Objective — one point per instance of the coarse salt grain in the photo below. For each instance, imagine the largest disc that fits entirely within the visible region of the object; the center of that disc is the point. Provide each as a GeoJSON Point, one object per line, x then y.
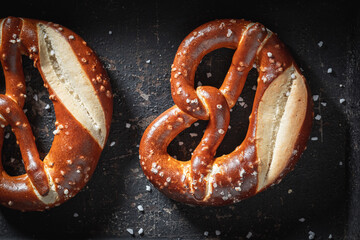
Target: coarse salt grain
{"type": "Point", "coordinates": [249, 235]}
{"type": "Point", "coordinates": [217, 232]}
{"type": "Point", "coordinates": [301, 219]}
{"type": "Point", "coordinates": [311, 235]}
{"type": "Point", "coordinates": [148, 61]}
{"type": "Point", "coordinates": [206, 233]}
{"type": "Point", "coordinates": [130, 230]}
{"type": "Point", "coordinates": [140, 208]}
{"type": "Point", "coordinates": [148, 188]}
{"type": "Point", "coordinates": [329, 70]}
{"type": "Point", "coordinates": [314, 138]}
{"type": "Point", "coordinates": [208, 75]}
{"type": "Point", "coordinates": [141, 231]}
{"type": "Point", "coordinates": [112, 144]}
{"type": "Point", "coordinates": [317, 117]}
{"type": "Point", "coordinates": [316, 97]}
{"type": "Point", "coordinates": [342, 100]}
{"type": "Point", "coordinates": [229, 33]}
{"type": "Point", "coordinates": [127, 125]}
{"type": "Point", "coordinates": [320, 44]}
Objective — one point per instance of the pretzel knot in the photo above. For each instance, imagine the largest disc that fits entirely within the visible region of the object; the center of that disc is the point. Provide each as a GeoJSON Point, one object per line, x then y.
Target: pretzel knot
{"type": "Point", "coordinates": [279, 125]}
{"type": "Point", "coordinates": [81, 95]}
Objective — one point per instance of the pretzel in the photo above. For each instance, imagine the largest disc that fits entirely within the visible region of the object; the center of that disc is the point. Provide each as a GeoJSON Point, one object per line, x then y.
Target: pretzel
{"type": "Point", "coordinates": [80, 91]}
{"type": "Point", "coordinates": [279, 125]}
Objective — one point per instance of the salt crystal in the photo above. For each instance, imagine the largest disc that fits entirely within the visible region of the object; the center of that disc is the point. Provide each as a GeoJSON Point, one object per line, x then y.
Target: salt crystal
{"type": "Point", "coordinates": [329, 70]}
{"type": "Point", "coordinates": [249, 235]}
{"type": "Point", "coordinates": [342, 100]}
{"type": "Point", "coordinates": [316, 97]}
{"type": "Point", "coordinates": [112, 144]}
{"type": "Point", "coordinates": [314, 138]}
{"type": "Point", "coordinates": [130, 230]}
{"type": "Point", "coordinates": [311, 235]}
{"type": "Point", "coordinates": [127, 125]}
{"type": "Point", "coordinates": [208, 75]}
{"type": "Point", "coordinates": [320, 44]}
{"type": "Point", "coordinates": [7, 136]}
{"type": "Point", "coordinates": [141, 231]}
{"type": "Point", "coordinates": [301, 219]}
{"type": "Point", "coordinates": [140, 208]}
{"type": "Point", "coordinates": [217, 232]}
{"type": "Point", "coordinates": [148, 61]}
{"type": "Point", "coordinates": [229, 33]}
{"type": "Point", "coordinates": [317, 117]}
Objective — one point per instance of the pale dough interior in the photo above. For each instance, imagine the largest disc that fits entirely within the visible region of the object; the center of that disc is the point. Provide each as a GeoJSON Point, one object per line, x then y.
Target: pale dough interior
{"type": "Point", "coordinates": [281, 114]}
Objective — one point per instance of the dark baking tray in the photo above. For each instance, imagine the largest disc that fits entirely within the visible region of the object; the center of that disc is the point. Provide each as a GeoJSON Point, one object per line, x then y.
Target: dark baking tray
{"type": "Point", "coordinates": [321, 195]}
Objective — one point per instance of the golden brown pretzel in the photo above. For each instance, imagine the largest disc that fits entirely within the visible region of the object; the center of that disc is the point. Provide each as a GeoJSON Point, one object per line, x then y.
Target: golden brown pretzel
{"type": "Point", "coordinates": [81, 94]}
{"type": "Point", "coordinates": [279, 126]}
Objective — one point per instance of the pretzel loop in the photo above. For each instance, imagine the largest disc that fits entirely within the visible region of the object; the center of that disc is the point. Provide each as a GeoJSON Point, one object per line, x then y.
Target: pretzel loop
{"type": "Point", "coordinates": [34, 167]}
{"type": "Point", "coordinates": [279, 125]}
{"type": "Point", "coordinates": [245, 38]}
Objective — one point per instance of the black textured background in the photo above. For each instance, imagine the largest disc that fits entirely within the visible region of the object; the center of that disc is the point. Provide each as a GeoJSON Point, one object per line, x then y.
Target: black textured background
{"type": "Point", "coordinates": [324, 188]}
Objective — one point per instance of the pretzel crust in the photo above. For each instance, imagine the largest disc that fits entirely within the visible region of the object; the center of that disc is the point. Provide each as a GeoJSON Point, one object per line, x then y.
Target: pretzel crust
{"type": "Point", "coordinates": [279, 125]}
{"type": "Point", "coordinates": [80, 91]}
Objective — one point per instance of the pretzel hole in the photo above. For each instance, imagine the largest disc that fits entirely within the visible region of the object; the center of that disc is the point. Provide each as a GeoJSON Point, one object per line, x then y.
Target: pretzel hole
{"type": "Point", "coordinates": [217, 63]}
{"type": "Point", "coordinates": [39, 110]}
{"type": "Point", "coordinates": [239, 118]}
{"type": "Point", "coordinates": [2, 81]}
{"type": "Point", "coordinates": [183, 145]}
{"type": "Point", "coordinates": [213, 68]}
{"type": "Point", "coordinates": [10, 154]}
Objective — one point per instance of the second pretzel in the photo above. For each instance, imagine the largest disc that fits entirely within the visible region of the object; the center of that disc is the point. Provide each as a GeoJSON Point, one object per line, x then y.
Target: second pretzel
{"type": "Point", "coordinates": [279, 126]}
